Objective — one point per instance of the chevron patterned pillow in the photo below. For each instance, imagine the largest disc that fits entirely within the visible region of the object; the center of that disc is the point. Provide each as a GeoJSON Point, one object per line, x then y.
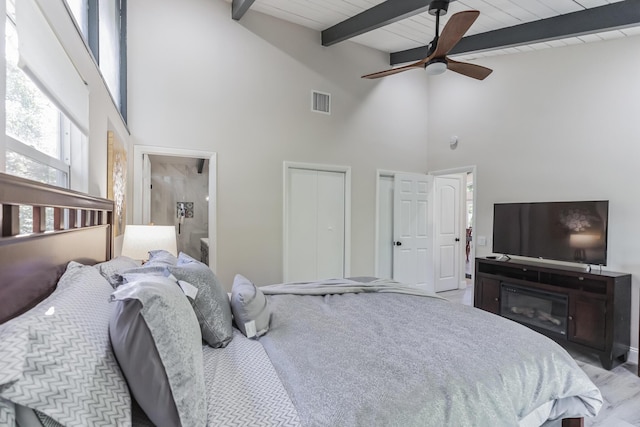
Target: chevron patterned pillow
{"type": "Point", "coordinates": [7, 413]}
{"type": "Point", "coordinates": [66, 369]}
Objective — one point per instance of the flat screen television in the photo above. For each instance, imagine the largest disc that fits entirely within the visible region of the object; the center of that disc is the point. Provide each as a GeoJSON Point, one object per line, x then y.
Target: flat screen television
{"type": "Point", "coordinates": [563, 231]}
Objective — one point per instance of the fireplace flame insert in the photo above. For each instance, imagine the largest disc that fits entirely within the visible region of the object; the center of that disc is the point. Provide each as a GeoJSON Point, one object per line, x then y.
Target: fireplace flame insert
{"type": "Point", "coordinates": [536, 308]}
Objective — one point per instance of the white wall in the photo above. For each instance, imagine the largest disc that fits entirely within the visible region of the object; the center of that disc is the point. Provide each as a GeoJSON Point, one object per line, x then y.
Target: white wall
{"type": "Point", "coordinates": [556, 124]}
{"type": "Point", "coordinates": [199, 80]}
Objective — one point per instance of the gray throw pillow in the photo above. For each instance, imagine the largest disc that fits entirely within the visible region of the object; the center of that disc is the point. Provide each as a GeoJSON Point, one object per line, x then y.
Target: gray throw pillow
{"type": "Point", "coordinates": [161, 257]}
{"type": "Point", "coordinates": [112, 270]}
{"type": "Point", "coordinates": [57, 359]}
{"type": "Point", "coordinates": [185, 259]}
{"type": "Point", "coordinates": [249, 304]}
{"type": "Point", "coordinates": [211, 302]}
{"type": "Point", "coordinates": [158, 344]}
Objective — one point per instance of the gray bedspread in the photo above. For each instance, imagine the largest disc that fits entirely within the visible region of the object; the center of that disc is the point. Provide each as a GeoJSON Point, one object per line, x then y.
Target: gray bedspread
{"type": "Point", "coordinates": [393, 359]}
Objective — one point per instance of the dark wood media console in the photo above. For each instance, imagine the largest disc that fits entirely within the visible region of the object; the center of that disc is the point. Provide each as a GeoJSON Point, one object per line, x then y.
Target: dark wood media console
{"type": "Point", "coordinates": [593, 313]}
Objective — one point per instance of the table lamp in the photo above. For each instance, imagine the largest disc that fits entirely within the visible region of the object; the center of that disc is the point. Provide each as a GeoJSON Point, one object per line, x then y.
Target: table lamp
{"type": "Point", "coordinates": [140, 239]}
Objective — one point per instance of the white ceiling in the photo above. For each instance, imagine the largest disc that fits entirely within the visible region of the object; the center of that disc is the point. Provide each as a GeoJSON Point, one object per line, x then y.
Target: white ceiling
{"type": "Point", "coordinates": [418, 30]}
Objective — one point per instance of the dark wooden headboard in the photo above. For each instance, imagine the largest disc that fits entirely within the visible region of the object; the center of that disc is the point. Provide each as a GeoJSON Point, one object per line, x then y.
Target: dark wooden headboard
{"type": "Point", "coordinates": [67, 226]}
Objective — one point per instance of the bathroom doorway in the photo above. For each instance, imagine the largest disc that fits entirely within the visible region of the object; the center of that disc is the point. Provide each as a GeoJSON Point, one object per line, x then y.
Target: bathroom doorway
{"type": "Point", "coordinates": [177, 187]}
{"type": "Point", "coordinates": [179, 190]}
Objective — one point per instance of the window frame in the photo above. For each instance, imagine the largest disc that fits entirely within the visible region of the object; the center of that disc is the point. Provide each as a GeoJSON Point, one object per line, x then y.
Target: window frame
{"type": "Point", "coordinates": [92, 43]}
{"type": "Point", "coordinates": [65, 139]}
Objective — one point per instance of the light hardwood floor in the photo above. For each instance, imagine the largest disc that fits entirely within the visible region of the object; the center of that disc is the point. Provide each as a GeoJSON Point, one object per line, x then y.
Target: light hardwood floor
{"type": "Point", "coordinates": [620, 387]}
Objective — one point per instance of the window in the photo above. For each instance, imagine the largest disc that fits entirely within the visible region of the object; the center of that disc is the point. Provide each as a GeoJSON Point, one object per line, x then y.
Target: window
{"type": "Point", "coordinates": [109, 35]}
{"type": "Point", "coordinates": [80, 11]}
{"type": "Point", "coordinates": [103, 27]}
{"type": "Point", "coordinates": [41, 141]}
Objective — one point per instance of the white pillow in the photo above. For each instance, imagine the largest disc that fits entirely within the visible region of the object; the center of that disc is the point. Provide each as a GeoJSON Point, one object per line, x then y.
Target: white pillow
{"type": "Point", "coordinates": [250, 307]}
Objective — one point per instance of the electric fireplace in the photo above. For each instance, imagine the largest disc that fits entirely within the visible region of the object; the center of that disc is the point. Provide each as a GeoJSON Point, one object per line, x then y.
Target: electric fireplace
{"type": "Point", "coordinates": [535, 308]}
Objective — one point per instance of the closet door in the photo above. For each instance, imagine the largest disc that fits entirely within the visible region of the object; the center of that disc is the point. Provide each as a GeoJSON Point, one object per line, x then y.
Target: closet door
{"type": "Point", "coordinates": [330, 225]}
{"type": "Point", "coordinates": [314, 224]}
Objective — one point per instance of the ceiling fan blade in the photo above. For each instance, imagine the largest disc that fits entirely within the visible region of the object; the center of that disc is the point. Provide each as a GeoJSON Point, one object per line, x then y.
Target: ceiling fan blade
{"type": "Point", "coordinates": [455, 29]}
{"type": "Point", "coordinates": [392, 71]}
{"type": "Point", "coordinates": [470, 70]}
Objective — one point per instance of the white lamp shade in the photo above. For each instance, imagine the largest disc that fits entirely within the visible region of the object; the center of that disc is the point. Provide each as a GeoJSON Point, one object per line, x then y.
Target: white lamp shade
{"type": "Point", "coordinates": [140, 239]}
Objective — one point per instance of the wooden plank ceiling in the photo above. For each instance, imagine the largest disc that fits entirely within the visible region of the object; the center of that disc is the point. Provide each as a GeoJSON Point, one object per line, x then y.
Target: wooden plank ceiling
{"type": "Point", "coordinates": [418, 30]}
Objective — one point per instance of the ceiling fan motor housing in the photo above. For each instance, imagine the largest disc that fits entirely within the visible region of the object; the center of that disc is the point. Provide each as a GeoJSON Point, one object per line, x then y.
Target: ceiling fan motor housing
{"type": "Point", "coordinates": [438, 7]}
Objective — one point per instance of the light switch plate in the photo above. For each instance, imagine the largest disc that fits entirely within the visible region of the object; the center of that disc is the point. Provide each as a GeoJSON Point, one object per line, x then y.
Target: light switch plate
{"type": "Point", "coordinates": [482, 241]}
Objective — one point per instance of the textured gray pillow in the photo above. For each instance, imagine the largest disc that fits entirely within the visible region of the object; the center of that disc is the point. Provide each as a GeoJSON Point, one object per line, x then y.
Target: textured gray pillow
{"type": "Point", "coordinates": [185, 259]}
{"type": "Point", "coordinates": [161, 257]}
{"type": "Point", "coordinates": [211, 303]}
{"type": "Point", "coordinates": [112, 270]}
{"type": "Point", "coordinates": [249, 304]}
{"type": "Point", "coordinates": [60, 349]}
{"type": "Point", "coordinates": [156, 338]}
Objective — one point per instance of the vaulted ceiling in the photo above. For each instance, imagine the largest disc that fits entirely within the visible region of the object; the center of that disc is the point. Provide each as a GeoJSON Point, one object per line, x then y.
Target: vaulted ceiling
{"type": "Point", "coordinates": [403, 28]}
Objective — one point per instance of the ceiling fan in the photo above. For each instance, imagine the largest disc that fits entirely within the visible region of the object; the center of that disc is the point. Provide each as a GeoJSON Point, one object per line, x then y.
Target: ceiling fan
{"type": "Point", "coordinates": [437, 61]}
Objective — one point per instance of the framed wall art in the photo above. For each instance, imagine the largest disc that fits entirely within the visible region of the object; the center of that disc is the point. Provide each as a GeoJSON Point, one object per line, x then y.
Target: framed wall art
{"type": "Point", "coordinates": [117, 181]}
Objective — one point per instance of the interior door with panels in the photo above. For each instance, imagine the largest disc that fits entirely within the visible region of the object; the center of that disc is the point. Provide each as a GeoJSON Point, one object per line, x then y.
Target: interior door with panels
{"type": "Point", "coordinates": [412, 229]}
{"type": "Point", "coordinates": [448, 233]}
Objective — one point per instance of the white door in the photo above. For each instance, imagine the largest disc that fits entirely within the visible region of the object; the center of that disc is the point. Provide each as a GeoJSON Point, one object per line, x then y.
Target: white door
{"type": "Point", "coordinates": [146, 189]}
{"type": "Point", "coordinates": [412, 236]}
{"type": "Point", "coordinates": [314, 224]}
{"type": "Point", "coordinates": [448, 232]}
{"type": "Point", "coordinates": [385, 241]}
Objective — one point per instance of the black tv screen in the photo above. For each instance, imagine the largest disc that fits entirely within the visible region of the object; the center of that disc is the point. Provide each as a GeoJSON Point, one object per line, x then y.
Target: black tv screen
{"type": "Point", "coordinates": [563, 231]}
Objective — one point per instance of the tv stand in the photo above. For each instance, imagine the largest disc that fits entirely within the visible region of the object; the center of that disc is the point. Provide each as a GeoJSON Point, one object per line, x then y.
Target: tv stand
{"type": "Point", "coordinates": [588, 311]}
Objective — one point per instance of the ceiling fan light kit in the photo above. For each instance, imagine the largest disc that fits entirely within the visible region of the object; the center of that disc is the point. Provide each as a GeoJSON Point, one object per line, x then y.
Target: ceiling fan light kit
{"type": "Point", "coordinates": [436, 66]}
{"type": "Point", "coordinates": [437, 61]}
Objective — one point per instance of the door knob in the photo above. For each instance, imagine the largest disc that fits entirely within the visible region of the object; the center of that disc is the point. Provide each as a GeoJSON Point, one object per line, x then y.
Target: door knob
{"type": "Point", "coordinates": [457, 239]}
{"type": "Point", "coordinates": [398, 243]}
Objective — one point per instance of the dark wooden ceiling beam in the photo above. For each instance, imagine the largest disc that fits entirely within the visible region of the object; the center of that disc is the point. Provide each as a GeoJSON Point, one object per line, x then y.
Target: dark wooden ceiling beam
{"type": "Point", "coordinates": [598, 19]}
{"type": "Point", "coordinates": [239, 8]}
{"type": "Point", "coordinates": [378, 16]}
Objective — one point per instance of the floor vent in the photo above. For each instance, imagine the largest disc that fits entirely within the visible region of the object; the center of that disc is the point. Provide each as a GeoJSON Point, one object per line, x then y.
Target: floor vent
{"type": "Point", "coordinates": [320, 102]}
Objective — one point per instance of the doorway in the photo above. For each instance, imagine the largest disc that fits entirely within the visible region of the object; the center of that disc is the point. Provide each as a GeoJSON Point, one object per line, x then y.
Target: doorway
{"type": "Point", "coordinates": [145, 210]}
{"type": "Point", "coordinates": [450, 261]}
{"type": "Point", "coordinates": [469, 259]}
{"type": "Point", "coordinates": [404, 244]}
{"type": "Point", "coordinates": [317, 200]}
{"type": "Point", "coordinates": [179, 196]}
{"type": "Point", "coordinates": [467, 222]}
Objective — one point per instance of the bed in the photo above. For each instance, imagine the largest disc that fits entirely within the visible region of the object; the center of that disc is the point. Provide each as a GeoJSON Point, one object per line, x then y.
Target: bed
{"type": "Point", "coordinates": [349, 352]}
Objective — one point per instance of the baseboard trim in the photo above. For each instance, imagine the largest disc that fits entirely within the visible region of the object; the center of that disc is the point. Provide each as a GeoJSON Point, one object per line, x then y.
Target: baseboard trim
{"type": "Point", "coordinates": [633, 355]}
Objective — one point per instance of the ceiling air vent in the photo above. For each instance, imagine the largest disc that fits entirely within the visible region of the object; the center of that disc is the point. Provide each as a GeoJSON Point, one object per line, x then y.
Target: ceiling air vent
{"type": "Point", "coordinates": [320, 102]}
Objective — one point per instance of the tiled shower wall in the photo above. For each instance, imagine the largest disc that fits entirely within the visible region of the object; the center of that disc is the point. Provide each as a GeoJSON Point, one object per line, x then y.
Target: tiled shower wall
{"type": "Point", "coordinates": [174, 182]}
